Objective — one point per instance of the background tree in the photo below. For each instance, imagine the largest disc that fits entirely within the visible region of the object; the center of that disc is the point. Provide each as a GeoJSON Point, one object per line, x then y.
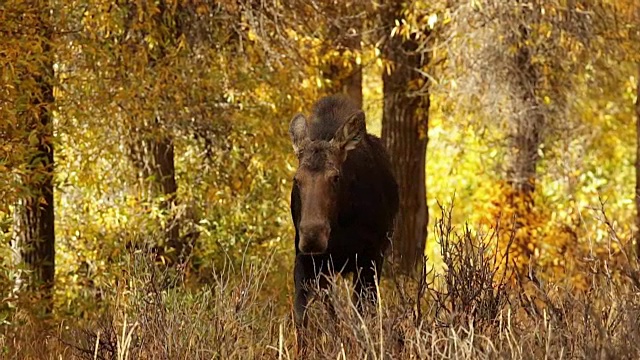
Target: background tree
{"type": "Point", "coordinates": [404, 130]}
{"type": "Point", "coordinates": [528, 124]}
{"type": "Point", "coordinates": [143, 46]}
{"type": "Point", "coordinates": [637, 198]}
{"type": "Point", "coordinates": [152, 148]}
{"type": "Point", "coordinates": [516, 72]}
{"type": "Point", "coordinates": [27, 111]}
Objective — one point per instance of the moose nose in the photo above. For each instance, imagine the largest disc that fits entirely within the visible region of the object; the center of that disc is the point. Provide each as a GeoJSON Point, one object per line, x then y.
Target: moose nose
{"type": "Point", "coordinates": [314, 238]}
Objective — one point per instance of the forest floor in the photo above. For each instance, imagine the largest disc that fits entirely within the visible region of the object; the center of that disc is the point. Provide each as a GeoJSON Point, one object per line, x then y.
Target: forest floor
{"type": "Point", "coordinates": [472, 310]}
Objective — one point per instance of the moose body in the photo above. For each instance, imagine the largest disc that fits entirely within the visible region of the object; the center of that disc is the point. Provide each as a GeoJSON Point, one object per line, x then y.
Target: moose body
{"type": "Point", "coordinates": [343, 201]}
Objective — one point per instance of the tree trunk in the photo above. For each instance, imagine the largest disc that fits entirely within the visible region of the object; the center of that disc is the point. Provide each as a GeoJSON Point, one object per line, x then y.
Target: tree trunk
{"type": "Point", "coordinates": [345, 78]}
{"type": "Point", "coordinates": [152, 148]}
{"type": "Point", "coordinates": [638, 164]}
{"type": "Point", "coordinates": [34, 236]}
{"type": "Point", "coordinates": [161, 168]}
{"type": "Point", "coordinates": [152, 151]}
{"type": "Point", "coordinates": [404, 133]}
{"type": "Point", "coordinates": [527, 123]}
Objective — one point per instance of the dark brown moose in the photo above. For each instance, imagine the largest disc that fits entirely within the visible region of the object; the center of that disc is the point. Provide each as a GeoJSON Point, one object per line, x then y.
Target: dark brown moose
{"type": "Point", "coordinates": [343, 201]}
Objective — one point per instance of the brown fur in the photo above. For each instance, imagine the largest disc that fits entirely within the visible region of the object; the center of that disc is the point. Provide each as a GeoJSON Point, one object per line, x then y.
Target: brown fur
{"type": "Point", "coordinates": [343, 201]}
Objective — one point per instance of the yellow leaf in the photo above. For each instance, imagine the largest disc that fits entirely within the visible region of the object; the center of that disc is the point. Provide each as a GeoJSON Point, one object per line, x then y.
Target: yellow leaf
{"type": "Point", "coordinates": [252, 35]}
{"type": "Point", "coordinates": [433, 19]}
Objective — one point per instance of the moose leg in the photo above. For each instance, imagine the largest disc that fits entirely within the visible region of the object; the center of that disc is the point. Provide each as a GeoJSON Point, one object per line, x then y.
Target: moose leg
{"type": "Point", "coordinates": [301, 298]}
{"type": "Point", "coordinates": [324, 283]}
{"type": "Point", "coordinates": [366, 279]}
{"type": "Point", "coordinates": [312, 275]}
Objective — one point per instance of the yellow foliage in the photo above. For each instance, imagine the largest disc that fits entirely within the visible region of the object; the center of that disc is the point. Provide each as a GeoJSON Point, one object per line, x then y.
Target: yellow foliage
{"type": "Point", "coordinates": [226, 100]}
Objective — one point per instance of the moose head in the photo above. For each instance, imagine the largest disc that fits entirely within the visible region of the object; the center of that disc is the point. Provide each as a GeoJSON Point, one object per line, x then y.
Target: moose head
{"type": "Point", "coordinates": [320, 177]}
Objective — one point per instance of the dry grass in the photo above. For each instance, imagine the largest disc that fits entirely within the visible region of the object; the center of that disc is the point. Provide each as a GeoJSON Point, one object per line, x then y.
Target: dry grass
{"type": "Point", "coordinates": [471, 311]}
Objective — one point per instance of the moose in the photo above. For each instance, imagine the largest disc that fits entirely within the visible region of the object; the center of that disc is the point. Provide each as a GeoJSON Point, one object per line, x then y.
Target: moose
{"type": "Point", "coordinates": [344, 200]}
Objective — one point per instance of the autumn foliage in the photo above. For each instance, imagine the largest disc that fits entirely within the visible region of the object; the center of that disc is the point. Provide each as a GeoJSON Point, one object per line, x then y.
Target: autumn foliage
{"type": "Point", "coordinates": [161, 129]}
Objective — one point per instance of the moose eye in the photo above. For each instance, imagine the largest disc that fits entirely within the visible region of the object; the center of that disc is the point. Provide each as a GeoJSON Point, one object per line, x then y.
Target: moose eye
{"type": "Point", "coordinates": [335, 179]}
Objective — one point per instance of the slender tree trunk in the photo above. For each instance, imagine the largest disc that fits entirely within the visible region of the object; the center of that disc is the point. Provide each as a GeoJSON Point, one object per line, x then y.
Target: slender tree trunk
{"type": "Point", "coordinates": [527, 123]}
{"type": "Point", "coordinates": [638, 164]}
{"type": "Point", "coordinates": [404, 133]}
{"type": "Point", "coordinates": [346, 79]}
{"type": "Point", "coordinates": [34, 236]}
{"type": "Point", "coordinates": [152, 149]}
{"type": "Point", "coordinates": [161, 159]}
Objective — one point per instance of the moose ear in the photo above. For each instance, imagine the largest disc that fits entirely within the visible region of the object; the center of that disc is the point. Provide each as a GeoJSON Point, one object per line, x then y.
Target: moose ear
{"type": "Point", "coordinates": [298, 131]}
{"type": "Point", "coordinates": [351, 132]}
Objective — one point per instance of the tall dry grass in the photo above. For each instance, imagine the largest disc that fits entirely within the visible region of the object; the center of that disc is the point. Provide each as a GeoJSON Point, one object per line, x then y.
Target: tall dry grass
{"type": "Point", "coordinates": [473, 310]}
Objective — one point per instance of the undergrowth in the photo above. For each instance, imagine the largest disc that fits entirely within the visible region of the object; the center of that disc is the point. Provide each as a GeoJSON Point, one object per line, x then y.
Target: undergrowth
{"type": "Point", "coordinates": [474, 309]}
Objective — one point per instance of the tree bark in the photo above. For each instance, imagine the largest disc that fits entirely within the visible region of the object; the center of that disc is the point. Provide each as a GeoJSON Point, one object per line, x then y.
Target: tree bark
{"type": "Point", "coordinates": [638, 163]}
{"type": "Point", "coordinates": [34, 235]}
{"type": "Point", "coordinates": [152, 149]}
{"type": "Point", "coordinates": [160, 173]}
{"type": "Point", "coordinates": [404, 133]}
{"type": "Point", "coordinates": [527, 123]}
